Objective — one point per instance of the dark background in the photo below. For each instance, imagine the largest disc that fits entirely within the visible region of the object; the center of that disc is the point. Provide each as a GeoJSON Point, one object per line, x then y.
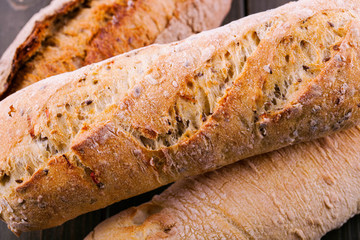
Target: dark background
{"type": "Point", "coordinates": [11, 22]}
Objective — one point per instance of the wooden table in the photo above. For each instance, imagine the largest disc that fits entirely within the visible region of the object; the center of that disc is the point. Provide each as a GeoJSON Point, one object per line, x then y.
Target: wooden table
{"type": "Point", "coordinates": [12, 21]}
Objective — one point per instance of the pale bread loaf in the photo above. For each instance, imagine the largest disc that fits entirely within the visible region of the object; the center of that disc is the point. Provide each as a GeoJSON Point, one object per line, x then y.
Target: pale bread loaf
{"type": "Point", "coordinates": [299, 192]}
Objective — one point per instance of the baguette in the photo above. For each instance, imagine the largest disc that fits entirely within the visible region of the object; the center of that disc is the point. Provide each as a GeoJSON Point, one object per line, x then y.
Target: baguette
{"type": "Point", "coordinates": [140, 120]}
{"type": "Point", "coordinates": [69, 30]}
{"type": "Point", "coordinates": [299, 192]}
{"type": "Point", "coordinates": [69, 34]}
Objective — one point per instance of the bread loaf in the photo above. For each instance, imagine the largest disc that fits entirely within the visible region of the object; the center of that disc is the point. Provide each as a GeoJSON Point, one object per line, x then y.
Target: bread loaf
{"type": "Point", "coordinates": [80, 141]}
{"type": "Point", "coordinates": [95, 25]}
{"type": "Point", "coordinates": [299, 192]}
{"type": "Point", "coordinates": [69, 34]}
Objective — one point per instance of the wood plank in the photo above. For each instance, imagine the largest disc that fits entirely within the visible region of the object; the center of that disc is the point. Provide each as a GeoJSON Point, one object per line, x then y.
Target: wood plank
{"type": "Point", "coordinates": [262, 5]}
{"type": "Point", "coordinates": [237, 11]}
{"type": "Point", "coordinates": [12, 20]}
{"type": "Point", "coordinates": [349, 231]}
{"type": "Point", "coordinates": [5, 234]}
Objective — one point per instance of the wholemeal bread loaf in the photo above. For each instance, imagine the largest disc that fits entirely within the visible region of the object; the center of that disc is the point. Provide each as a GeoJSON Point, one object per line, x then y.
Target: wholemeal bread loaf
{"type": "Point", "coordinates": [69, 34]}
{"type": "Point", "coordinates": [299, 192]}
{"type": "Point", "coordinates": [83, 140]}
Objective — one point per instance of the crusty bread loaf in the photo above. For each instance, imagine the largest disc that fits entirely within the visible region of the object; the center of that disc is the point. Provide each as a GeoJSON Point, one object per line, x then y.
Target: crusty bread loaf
{"type": "Point", "coordinates": [83, 140]}
{"type": "Point", "coordinates": [69, 34]}
{"type": "Point", "coordinates": [299, 192]}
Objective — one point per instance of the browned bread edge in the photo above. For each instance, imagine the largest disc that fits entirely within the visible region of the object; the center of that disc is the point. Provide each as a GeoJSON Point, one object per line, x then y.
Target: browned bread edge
{"type": "Point", "coordinates": [69, 34]}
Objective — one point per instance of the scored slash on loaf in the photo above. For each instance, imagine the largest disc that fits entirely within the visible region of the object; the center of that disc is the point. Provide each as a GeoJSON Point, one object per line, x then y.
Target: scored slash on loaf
{"type": "Point", "coordinates": [164, 112]}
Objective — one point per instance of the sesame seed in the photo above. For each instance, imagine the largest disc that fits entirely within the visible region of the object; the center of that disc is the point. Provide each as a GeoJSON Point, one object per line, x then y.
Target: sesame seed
{"type": "Point", "coordinates": [340, 58]}
{"type": "Point", "coordinates": [268, 69]}
{"type": "Point", "coordinates": [137, 91]}
{"type": "Point", "coordinates": [175, 84]}
{"type": "Point", "coordinates": [151, 80]}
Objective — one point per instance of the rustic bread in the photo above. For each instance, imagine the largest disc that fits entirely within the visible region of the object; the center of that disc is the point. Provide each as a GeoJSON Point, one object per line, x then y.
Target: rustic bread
{"type": "Point", "coordinates": [299, 192]}
{"type": "Point", "coordinates": [93, 25]}
{"type": "Point", "coordinates": [80, 141]}
{"type": "Point", "coordinates": [69, 34]}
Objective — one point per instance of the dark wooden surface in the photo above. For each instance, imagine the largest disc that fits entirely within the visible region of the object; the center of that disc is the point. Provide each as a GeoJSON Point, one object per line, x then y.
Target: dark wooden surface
{"type": "Point", "coordinates": [11, 22]}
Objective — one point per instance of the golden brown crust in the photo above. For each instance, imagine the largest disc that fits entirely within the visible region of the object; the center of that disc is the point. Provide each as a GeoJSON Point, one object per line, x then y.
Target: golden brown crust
{"type": "Point", "coordinates": [110, 40]}
{"type": "Point", "coordinates": [300, 192]}
{"type": "Point", "coordinates": [65, 37]}
{"type": "Point", "coordinates": [165, 112]}
{"type": "Point", "coordinates": [29, 39]}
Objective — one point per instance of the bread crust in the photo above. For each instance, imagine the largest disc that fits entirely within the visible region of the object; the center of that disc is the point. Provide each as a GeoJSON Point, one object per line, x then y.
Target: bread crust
{"type": "Point", "coordinates": [29, 39]}
{"type": "Point", "coordinates": [69, 34]}
{"type": "Point", "coordinates": [299, 192]}
{"type": "Point", "coordinates": [165, 112]}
